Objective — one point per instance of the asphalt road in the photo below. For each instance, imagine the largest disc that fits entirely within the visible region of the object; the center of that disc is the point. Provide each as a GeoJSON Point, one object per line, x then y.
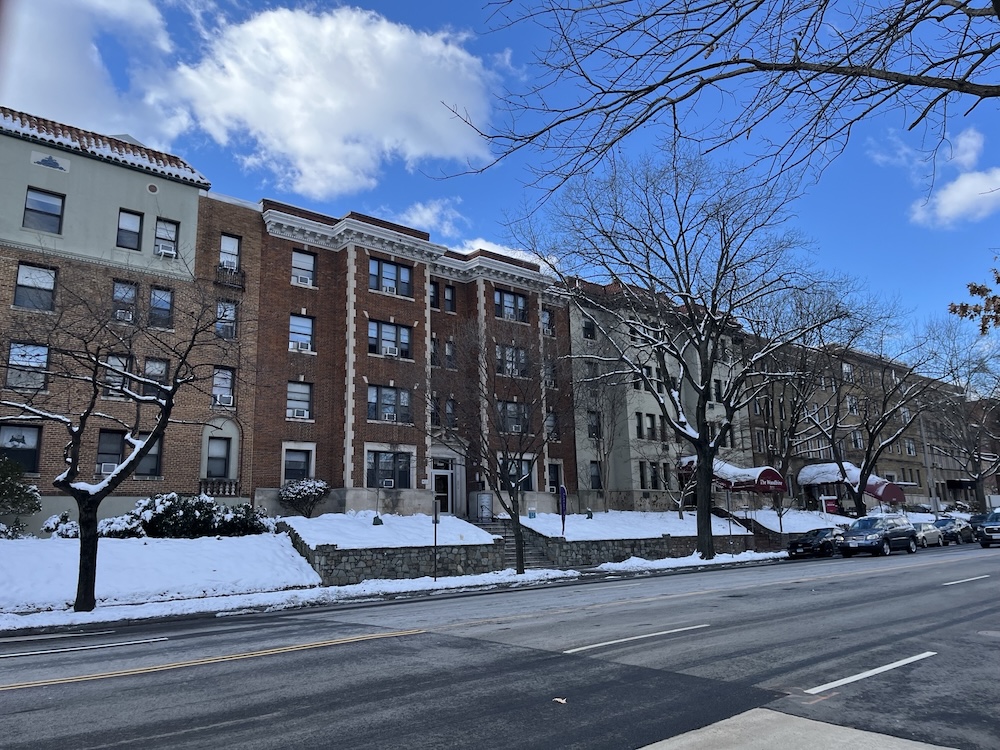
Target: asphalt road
{"type": "Point", "coordinates": [620, 663]}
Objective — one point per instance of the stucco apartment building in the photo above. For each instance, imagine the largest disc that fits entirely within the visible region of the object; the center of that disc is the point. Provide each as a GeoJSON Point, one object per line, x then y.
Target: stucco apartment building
{"type": "Point", "coordinates": [344, 346]}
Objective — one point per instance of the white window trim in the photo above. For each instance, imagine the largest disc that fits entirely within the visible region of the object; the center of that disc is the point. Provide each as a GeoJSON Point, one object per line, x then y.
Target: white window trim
{"type": "Point", "coordinates": [290, 445]}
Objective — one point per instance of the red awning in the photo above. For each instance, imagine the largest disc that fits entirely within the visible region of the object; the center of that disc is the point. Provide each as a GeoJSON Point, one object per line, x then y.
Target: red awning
{"type": "Point", "coordinates": [757, 479]}
{"type": "Point", "coordinates": [768, 481]}
{"type": "Point", "coordinates": [887, 492]}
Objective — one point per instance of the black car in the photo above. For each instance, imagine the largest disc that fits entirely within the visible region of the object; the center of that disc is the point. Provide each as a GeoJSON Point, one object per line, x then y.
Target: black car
{"type": "Point", "coordinates": [955, 530]}
{"type": "Point", "coordinates": [815, 543]}
{"type": "Point", "coordinates": [879, 535]}
{"type": "Point", "coordinates": [976, 521]}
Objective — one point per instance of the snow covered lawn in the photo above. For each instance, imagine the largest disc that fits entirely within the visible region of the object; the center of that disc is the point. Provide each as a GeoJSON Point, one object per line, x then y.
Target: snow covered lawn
{"type": "Point", "coordinates": [796, 521]}
{"type": "Point", "coordinates": [617, 524]}
{"type": "Point", "coordinates": [356, 530]}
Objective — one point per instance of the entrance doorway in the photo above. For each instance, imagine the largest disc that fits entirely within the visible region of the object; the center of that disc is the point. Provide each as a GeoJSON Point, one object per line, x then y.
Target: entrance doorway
{"type": "Point", "coordinates": [442, 476]}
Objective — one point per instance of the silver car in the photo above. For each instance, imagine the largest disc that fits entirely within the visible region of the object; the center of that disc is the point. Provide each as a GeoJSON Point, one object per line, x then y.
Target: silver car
{"type": "Point", "coordinates": [929, 535]}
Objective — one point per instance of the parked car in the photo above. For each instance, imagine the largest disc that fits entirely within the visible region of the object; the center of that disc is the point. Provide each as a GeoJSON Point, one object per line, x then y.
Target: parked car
{"type": "Point", "coordinates": [976, 520]}
{"type": "Point", "coordinates": [815, 543]}
{"type": "Point", "coordinates": [928, 534]}
{"type": "Point", "coordinates": [879, 535]}
{"type": "Point", "coordinates": [989, 532]}
{"type": "Point", "coordinates": [955, 530]}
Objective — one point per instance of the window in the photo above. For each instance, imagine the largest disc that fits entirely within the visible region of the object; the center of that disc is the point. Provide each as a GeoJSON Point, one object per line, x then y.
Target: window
{"type": "Point", "coordinates": [759, 440]}
{"type": "Point", "coordinates": [519, 473]}
{"type": "Point", "coordinates": [388, 469]}
{"type": "Point", "coordinates": [303, 268]}
{"type": "Point", "coordinates": [116, 365]}
{"type": "Point", "coordinates": [43, 211]}
{"type": "Point", "coordinates": [435, 295]}
{"type": "Point", "coordinates": [551, 426]}
{"type": "Point", "coordinates": [165, 243]}
{"type": "Point", "coordinates": [161, 307]}
{"type": "Point", "coordinates": [848, 371]}
{"type": "Point", "coordinates": [549, 373]}
{"type": "Point", "coordinates": [449, 355]}
{"type": "Point", "coordinates": [643, 482]}
{"type": "Point", "coordinates": [639, 432]}
{"type": "Point", "coordinates": [390, 278]}
{"type": "Point", "coordinates": [589, 329]}
{"type": "Point", "coordinates": [554, 477]}
{"type": "Point", "coordinates": [449, 298]}
{"type": "Point", "coordinates": [35, 288]}
{"type": "Point", "coordinates": [150, 465]}
{"type": "Point", "coordinates": [123, 297]}
{"type": "Point", "coordinates": [548, 322]}
{"type": "Point", "coordinates": [664, 429]}
{"type": "Point", "coordinates": [595, 475]}
{"type": "Point", "coordinates": [218, 458]}
{"type": "Point", "coordinates": [904, 414]}
{"type": "Point", "coordinates": [911, 447]}
{"type": "Point", "coordinates": [388, 339]}
{"type": "Point", "coordinates": [717, 389]}
{"type": "Point", "coordinates": [27, 366]}
{"type": "Point", "coordinates": [511, 361]}
{"type": "Point", "coordinates": [435, 411]}
{"type": "Point", "coordinates": [594, 425]}
{"type": "Point", "coordinates": [129, 229]}
{"type": "Point", "coordinates": [110, 447]}
{"type": "Point", "coordinates": [20, 444]}
{"type": "Point", "coordinates": [852, 404]}
{"type": "Point", "coordinates": [857, 440]}
{"type": "Point", "coordinates": [298, 401]}
{"type": "Point", "coordinates": [654, 476]}
{"type": "Point", "coordinates": [156, 370]}
{"type": "Point", "coordinates": [300, 333]}
{"type": "Point", "coordinates": [651, 426]}
{"type": "Point", "coordinates": [298, 464]}
{"type": "Point", "coordinates": [512, 417]}
{"type": "Point", "coordinates": [229, 252]}
{"type": "Point", "coordinates": [435, 357]}
{"type": "Point", "coordinates": [510, 306]}
{"type": "Point", "coordinates": [388, 404]}
{"type": "Point", "coordinates": [225, 319]}
{"type": "Point", "coordinates": [222, 386]}
{"type": "Point", "coordinates": [451, 413]}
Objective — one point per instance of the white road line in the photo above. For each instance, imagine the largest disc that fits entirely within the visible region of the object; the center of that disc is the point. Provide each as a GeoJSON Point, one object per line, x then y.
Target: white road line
{"type": "Point", "coordinates": [869, 673]}
{"type": "Point", "coordinates": [633, 638]}
{"type": "Point", "coordinates": [965, 580]}
{"type": "Point", "coordinates": [81, 648]}
{"type": "Point", "coordinates": [52, 636]}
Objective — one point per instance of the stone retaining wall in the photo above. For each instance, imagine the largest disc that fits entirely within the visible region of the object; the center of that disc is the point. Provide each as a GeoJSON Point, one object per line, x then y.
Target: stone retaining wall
{"type": "Point", "coordinates": [341, 567]}
{"type": "Point", "coordinates": [563, 554]}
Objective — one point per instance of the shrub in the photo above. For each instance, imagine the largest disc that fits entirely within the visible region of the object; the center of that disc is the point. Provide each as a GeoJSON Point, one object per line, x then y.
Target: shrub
{"type": "Point", "coordinates": [177, 517]}
{"type": "Point", "coordinates": [16, 498]}
{"type": "Point", "coordinates": [241, 520]}
{"type": "Point", "coordinates": [303, 495]}
{"type": "Point", "coordinates": [128, 526]}
{"type": "Point", "coordinates": [60, 526]}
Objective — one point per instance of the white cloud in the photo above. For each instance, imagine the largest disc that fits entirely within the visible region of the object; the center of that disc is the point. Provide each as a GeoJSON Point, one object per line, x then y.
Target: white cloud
{"type": "Point", "coordinates": [471, 246]}
{"type": "Point", "coordinates": [51, 66]}
{"type": "Point", "coordinates": [435, 216]}
{"type": "Point", "coordinates": [966, 149]}
{"type": "Point", "coordinates": [972, 196]}
{"type": "Point", "coordinates": [325, 101]}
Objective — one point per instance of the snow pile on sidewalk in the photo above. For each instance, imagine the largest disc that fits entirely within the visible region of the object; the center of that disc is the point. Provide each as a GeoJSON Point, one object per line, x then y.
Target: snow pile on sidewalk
{"type": "Point", "coordinates": [355, 530]}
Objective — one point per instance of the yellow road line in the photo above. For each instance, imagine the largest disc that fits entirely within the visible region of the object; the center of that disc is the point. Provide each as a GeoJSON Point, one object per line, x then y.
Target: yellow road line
{"type": "Point", "coordinates": [208, 660]}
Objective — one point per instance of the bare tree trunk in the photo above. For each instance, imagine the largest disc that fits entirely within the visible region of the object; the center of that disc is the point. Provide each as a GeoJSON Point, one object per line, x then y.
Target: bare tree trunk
{"type": "Point", "coordinates": [86, 598]}
{"type": "Point", "coordinates": [703, 496]}
{"type": "Point", "coordinates": [859, 502]}
{"type": "Point", "coordinates": [980, 495]}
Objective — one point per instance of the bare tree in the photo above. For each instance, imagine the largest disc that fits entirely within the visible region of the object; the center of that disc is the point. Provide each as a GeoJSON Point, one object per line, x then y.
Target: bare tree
{"type": "Point", "coordinates": [110, 361]}
{"type": "Point", "coordinates": [681, 259]}
{"type": "Point", "coordinates": [872, 397]}
{"type": "Point", "coordinates": [964, 410]}
{"type": "Point", "coordinates": [814, 70]}
{"type": "Point", "coordinates": [498, 415]}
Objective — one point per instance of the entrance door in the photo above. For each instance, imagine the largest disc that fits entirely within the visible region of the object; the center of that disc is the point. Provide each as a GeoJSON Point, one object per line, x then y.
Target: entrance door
{"type": "Point", "coordinates": [442, 491]}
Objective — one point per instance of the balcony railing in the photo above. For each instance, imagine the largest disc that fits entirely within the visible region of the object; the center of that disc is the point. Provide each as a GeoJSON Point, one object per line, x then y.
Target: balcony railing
{"type": "Point", "coordinates": [232, 277]}
{"type": "Point", "coordinates": [219, 487]}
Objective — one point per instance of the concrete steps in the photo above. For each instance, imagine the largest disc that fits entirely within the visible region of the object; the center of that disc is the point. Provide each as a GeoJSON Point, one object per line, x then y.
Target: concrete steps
{"type": "Point", "coordinates": [532, 557]}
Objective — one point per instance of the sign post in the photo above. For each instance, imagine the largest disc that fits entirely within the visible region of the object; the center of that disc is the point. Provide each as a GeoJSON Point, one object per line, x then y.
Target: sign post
{"type": "Point", "coordinates": [436, 520]}
{"type": "Point", "coordinates": [562, 507]}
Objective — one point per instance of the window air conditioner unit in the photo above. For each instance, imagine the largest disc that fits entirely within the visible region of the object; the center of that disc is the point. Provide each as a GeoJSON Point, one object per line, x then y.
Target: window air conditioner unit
{"type": "Point", "coordinates": [304, 280]}
{"type": "Point", "coordinates": [389, 289]}
{"type": "Point", "coordinates": [508, 315]}
{"type": "Point", "coordinates": [713, 405]}
{"type": "Point", "coordinates": [553, 489]}
{"type": "Point", "coordinates": [224, 399]}
{"type": "Point", "coordinates": [107, 468]}
{"type": "Point", "coordinates": [553, 436]}
{"type": "Point", "coordinates": [549, 331]}
{"type": "Point", "coordinates": [229, 265]}
{"type": "Point", "coordinates": [550, 383]}
{"type": "Point", "coordinates": [300, 413]}
{"type": "Point", "coordinates": [164, 250]}
{"type": "Point", "coordinates": [390, 351]}
{"type": "Point", "coordinates": [388, 484]}
{"type": "Point", "coordinates": [123, 315]}
{"type": "Point", "coordinates": [515, 428]}
{"type": "Point", "coordinates": [389, 416]}
{"type": "Point", "coordinates": [303, 346]}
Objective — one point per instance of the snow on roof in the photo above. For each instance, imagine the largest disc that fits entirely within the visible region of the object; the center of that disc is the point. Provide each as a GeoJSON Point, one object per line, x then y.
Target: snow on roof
{"type": "Point", "coordinates": [830, 474]}
{"type": "Point", "coordinates": [729, 472]}
{"type": "Point", "coordinates": [118, 150]}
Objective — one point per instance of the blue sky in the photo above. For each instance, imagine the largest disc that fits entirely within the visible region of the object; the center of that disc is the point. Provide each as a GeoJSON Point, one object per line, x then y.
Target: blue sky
{"type": "Point", "coordinates": [340, 107]}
